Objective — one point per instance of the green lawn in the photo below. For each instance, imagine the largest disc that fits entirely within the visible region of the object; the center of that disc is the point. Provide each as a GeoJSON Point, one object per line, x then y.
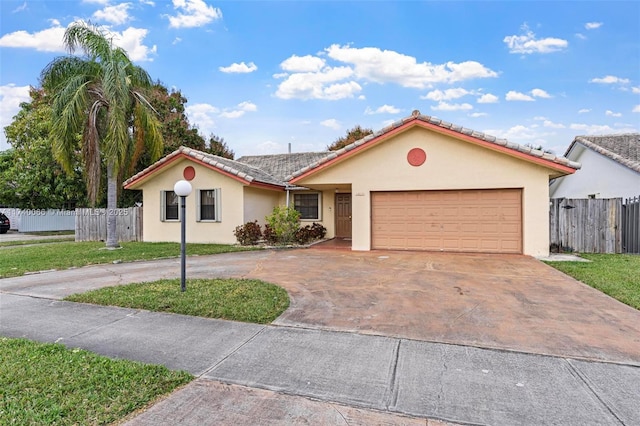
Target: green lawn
{"type": "Point", "coordinates": [232, 299]}
{"type": "Point", "coordinates": [18, 260]}
{"type": "Point", "coordinates": [32, 242]}
{"type": "Point", "coordinates": [48, 384]}
{"type": "Point", "coordinates": [617, 275]}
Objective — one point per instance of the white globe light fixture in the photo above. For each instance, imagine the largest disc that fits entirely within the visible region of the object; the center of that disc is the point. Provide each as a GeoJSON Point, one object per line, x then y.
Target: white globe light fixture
{"type": "Point", "coordinates": [182, 188]}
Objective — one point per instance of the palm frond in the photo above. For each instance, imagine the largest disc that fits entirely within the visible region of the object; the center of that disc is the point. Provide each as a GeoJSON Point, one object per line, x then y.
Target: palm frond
{"type": "Point", "coordinates": [93, 41]}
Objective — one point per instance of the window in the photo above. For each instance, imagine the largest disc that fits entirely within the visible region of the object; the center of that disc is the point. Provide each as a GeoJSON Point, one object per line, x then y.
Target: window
{"type": "Point", "coordinates": [208, 208]}
{"type": "Point", "coordinates": [169, 209]}
{"type": "Point", "coordinates": [308, 205]}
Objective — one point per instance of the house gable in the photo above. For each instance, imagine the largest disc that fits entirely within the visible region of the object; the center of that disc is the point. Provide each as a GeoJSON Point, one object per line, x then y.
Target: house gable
{"type": "Point", "coordinates": [557, 166]}
{"type": "Point", "coordinates": [243, 173]}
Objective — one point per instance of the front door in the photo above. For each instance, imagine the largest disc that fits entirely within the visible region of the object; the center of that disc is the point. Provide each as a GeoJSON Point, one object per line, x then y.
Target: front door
{"type": "Point", "coordinates": [343, 215]}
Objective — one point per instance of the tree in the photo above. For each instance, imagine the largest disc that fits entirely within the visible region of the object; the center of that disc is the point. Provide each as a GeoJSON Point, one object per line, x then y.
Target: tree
{"type": "Point", "coordinates": [352, 135]}
{"type": "Point", "coordinates": [32, 178]}
{"type": "Point", "coordinates": [102, 96]}
{"type": "Point", "coordinates": [176, 130]}
{"type": "Point", "coordinates": [217, 146]}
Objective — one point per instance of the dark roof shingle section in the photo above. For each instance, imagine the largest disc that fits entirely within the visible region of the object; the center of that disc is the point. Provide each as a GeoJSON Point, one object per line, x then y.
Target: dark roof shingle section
{"type": "Point", "coordinates": [282, 165]}
{"type": "Point", "coordinates": [445, 125]}
{"type": "Point", "coordinates": [623, 148]}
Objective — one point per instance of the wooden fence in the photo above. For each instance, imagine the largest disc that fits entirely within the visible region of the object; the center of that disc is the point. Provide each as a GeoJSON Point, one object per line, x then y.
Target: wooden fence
{"type": "Point", "coordinates": [91, 224]}
{"type": "Point", "coordinates": [586, 225]}
{"type": "Point", "coordinates": [631, 225]}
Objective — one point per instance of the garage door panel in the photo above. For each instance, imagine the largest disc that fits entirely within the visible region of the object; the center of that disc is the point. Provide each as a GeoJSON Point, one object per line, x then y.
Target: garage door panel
{"type": "Point", "coordinates": [467, 220]}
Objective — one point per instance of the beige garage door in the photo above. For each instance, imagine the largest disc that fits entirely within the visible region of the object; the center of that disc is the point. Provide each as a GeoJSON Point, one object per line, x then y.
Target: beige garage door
{"type": "Point", "coordinates": [488, 221]}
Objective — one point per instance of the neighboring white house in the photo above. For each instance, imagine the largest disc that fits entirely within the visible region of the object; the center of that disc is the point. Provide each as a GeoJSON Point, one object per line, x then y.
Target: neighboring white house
{"type": "Point", "coordinates": [610, 168]}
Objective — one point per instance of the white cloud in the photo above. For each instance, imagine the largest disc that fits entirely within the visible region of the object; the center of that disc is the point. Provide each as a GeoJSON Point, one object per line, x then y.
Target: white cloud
{"type": "Point", "coordinates": [306, 63]}
{"type": "Point", "coordinates": [11, 96]}
{"type": "Point", "coordinates": [176, 41]}
{"type": "Point", "coordinates": [384, 109]}
{"type": "Point", "coordinates": [584, 111]}
{"type": "Point", "coordinates": [516, 133]}
{"type": "Point", "coordinates": [591, 129]}
{"type": "Point", "coordinates": [512, 95]}
{"type": "Point", "coordinates": [118, 14]}
{"type": "Point", "coordinates": [636, 108]}
{"type": "Point", "coordinates": [193, 13]}
{"type": "Point", "coordinates": [240, 110]}
{"type": "Point", "coordinates": [539, 93]}
{"type": "Point", "coordinates": [247, 106]}
{"type": "Point", "coordinates": [131, 40]}
{"type": "Point", "coordinates": [581, 36]}
{"type": "Point", "coordinates": [478, 114]}
{"type": "Point", "coordinates": [592, 25]}
{"type": "Point", "coordinates": [331, 123]}
{"type": "Point", "coordinates": [609, 113]}
{"type": "Point", "coordinates": [202, 116]}
{"type": "Point", "coordinates": [487, 98]}
{"type": "Point", "coordinates": [448, 94]}
{"type": "Point", "coordinates": [444, 106]}
{"type": "Point", "coordinates": [269, 147]}
{"type": "Point", "coordinates": [635, 90]}
{"type": "Point", "coordinates": [319, 85]}
{"type": "Point", "coordinates": [103, 2]}
{"type": "Point", "coordinates": [388, 66]}
{"type": "Point", "coordinates": [551, 124]}
{"type": "Point", "coordinates": [309, 77]}
{"type": "Point", "coordinates": [232, 114]}
{"type": "Point", "coordinates": [609, 79]}
{"type": "Point", "coordinates": [239, 68]}
{"type": "Point", "coordinates": [20, 8]}
{"type": "Point", "coordinates": [527, 43]}
{"type": "Point", "coordinates": [48, 40]}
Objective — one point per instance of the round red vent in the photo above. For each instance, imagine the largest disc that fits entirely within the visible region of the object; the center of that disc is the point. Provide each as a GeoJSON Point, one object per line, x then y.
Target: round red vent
{"type": "Point", "coordinates": [416, 157]}
{"type": "Point", "coordinates": [189, 173]}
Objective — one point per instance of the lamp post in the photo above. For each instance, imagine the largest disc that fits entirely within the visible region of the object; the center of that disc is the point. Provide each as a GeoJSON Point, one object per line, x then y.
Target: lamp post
{"type": "Point", "coordinates": [182, 188]}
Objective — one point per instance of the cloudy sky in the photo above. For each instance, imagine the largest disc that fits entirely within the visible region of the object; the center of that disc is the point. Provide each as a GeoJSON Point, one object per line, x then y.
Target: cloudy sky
{"type": "Point", "coordinates": [263, 74]}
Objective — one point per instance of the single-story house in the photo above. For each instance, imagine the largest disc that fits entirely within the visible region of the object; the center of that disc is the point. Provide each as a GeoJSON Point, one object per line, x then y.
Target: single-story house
{"type": "Point", "coordinates": [418, 184]}
{"type": "Point", "coordinates": [610, 168]}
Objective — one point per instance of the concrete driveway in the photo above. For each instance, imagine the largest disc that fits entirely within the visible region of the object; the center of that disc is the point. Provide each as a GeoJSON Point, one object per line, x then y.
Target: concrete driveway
{"type": "Point", "coordinates": [507, 302]}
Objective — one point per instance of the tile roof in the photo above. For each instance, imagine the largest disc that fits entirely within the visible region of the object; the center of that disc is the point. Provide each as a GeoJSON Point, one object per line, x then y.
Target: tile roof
{"type": "Point", "coordinates": [244, 171]}
{"type": "Point", "coordinates": [282, 165]}
{"type": "Point", "coordinates": [280, 169]}
{"type": "Point", "coordinates": [416, 116]}
{"type": "Point", "coordinates": [623, 148]}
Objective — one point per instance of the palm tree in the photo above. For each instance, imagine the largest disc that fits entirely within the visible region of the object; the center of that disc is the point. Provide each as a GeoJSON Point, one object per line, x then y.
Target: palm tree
{"type": "Point", "coordinates": [100, 96]}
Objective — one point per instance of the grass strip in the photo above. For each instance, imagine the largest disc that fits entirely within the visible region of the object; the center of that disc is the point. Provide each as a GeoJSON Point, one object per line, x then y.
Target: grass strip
{"type": "Point", "coordinates": [617, 275]}
{"type": "Point", "coordinates": [18, 260]}
{"type": "Point", "coordinates": [226, 298]}
{"type": "Point", "coordinates": [31, 242]}
{"type": "Point", "coordinates": [47, 384]}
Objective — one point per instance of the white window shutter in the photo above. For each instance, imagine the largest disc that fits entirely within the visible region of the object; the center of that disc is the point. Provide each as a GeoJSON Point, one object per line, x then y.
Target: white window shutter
{"type": "Point", "coordinates": [218, 204]}
{"type": "Point", "coordinates": [163, 206]}
{"type": "Point", "coordinates": [198, 198]}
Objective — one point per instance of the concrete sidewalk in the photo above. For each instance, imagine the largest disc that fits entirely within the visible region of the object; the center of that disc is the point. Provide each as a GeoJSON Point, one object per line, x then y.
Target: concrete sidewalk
{"type": "Point", "coordinates": [352, 372]}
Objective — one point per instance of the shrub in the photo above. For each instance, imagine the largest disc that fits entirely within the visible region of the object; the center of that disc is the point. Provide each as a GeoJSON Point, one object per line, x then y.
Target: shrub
{"type": "Point", "coordinates": [318, 231]}
{"type": "Point", "coordinates": [310, 233]}
{"type": "Point", "coordinates": [248, 234]}
{"type": "Point", "coordinates": [284, 222]}
{"type": "Point", "coordinates": [269, 235]}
